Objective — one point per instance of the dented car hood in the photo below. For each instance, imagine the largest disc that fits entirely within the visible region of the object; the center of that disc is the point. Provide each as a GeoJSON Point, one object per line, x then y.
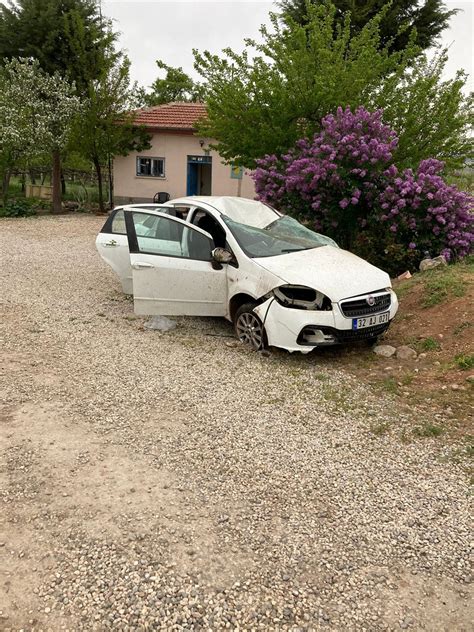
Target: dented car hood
{"type": "Point", "coordinates": [336, 273]}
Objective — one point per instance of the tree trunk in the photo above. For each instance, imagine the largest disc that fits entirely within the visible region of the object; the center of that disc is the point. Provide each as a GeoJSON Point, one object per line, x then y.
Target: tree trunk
{"type": "Point", "coordinates": [98, 170]}
{"type": "Point", "coordinates": [63, 184]}
{"type": "Point", "coordinates": [111, 185]}
{"type": "Point", "coordinates": [56, 182]}
{"type": "Point", "coordinates": [33, 177]}
{"type": "Point", "coordinates": [5, 185]}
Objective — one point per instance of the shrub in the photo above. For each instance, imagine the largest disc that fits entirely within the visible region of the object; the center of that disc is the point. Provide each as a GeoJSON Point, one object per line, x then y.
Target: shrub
{"type": "Point", "coordinates": [428, 430]}
{"type": "Point", "coordinates": [17, 208]}
{"type": "Point", "coordinates": [343, 182]}
{"type": "Point", "coordinates": [427, 214]}
{"type": "Point", "coordinates": [333, 179]}
{"type": "Point", "coordinates": [465, 361]}
{"type": "Point", "coordinates": [429, 344]}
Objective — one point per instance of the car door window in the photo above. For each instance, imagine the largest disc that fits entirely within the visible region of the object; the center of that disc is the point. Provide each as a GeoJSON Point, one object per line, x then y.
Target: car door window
{"type": "Point", "coordinates": [158, 235]}
{"type": "Point", "coordinates": [207, 222]}
{"type": "Point", "coordinates": [118, 224]}
{"type": "Point", "coordinates": [115, 224]}
{"type": "Point", "coordinates": [181, 211]}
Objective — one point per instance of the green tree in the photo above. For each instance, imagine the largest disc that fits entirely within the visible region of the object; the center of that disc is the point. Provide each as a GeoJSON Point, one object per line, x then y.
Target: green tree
{"type": "Point", "coordinates": [106, 127]}
{"type": "Point", "coordinates": [428, 18]}
{"type": "Point", "coordinates": [176, 85]}
{"type": "Point", "coordinates": [37, 124]}
{"type": "Point", "coordinates": [263, 100]}
{"type": "Point", "coordinates": [68, 37]}
{"type": "Point", "coordinates": [55, 32]}
{"type": "Point", "coordinates": [432, 115]}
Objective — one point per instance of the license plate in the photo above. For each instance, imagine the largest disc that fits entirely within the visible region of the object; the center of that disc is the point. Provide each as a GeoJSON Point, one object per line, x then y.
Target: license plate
{"type": "Point", "coordinates": [370, 321]}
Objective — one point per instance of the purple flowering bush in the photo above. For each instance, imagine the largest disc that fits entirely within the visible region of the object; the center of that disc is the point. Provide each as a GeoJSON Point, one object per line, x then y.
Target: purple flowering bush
{"type": "Point", "coordinates": [343, 182]}
{"type": "Point", "coordinates": [428, 214]}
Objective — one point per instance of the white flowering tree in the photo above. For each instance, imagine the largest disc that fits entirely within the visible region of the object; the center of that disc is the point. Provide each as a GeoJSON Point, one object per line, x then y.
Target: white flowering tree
{"type": "Point", "coordinates": [36, 115]}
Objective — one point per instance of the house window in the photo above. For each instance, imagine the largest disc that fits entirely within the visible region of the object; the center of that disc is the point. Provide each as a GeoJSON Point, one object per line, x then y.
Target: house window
{"type": "Point", "coordinates": [151, 167]}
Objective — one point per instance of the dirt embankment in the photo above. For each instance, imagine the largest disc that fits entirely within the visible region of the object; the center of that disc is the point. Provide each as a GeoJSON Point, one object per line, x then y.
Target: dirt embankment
{"type": "Point", "coordinates": [436, 319]}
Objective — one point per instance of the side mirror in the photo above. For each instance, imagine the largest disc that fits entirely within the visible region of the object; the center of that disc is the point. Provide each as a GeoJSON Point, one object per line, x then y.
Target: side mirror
{"type": "Point", "coordinates": [221, 255]}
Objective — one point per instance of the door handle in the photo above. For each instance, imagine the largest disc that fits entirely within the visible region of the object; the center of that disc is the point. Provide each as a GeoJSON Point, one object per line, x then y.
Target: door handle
{"type": "Point", "coordinates": [142, 264]}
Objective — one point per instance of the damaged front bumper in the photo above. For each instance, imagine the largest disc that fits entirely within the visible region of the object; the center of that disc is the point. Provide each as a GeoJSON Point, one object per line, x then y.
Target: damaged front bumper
{"type": "Point", "coordinates": [304, 330]}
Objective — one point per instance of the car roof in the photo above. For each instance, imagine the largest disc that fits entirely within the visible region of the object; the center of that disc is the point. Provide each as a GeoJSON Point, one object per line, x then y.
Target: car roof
{"type": "Point", "coordinates": [145, 205]}
{"type": "Point", "coordinates": [238, 209]}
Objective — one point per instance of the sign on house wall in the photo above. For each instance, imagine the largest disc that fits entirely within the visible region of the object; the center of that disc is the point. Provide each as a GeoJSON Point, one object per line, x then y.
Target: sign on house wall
{"type": "Point", "coordinates": [200, 159]}
{"type": "Point", "coordinates": [236, 172]}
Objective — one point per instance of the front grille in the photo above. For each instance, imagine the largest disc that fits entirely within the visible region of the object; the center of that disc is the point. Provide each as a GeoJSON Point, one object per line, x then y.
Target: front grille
{"type": "Point", "coordinates": [342, 336]}
{"type": "Point", "coordinates": [359, 306]}
{"type": "Point", "coordinates": [352, 335]}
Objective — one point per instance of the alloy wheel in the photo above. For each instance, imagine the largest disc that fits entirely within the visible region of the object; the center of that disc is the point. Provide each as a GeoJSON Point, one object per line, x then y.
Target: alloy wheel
{"type": "Point", "coordinates": [249, 330]}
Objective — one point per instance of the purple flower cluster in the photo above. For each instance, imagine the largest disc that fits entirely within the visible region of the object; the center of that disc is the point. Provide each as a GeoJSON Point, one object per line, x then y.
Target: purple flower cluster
{"type": "Point", "coordinates": [331, 179]}
{"type": "Point", "coordinates": [427, 213]}
{"type": "Point", "coordinates": [344, 182]}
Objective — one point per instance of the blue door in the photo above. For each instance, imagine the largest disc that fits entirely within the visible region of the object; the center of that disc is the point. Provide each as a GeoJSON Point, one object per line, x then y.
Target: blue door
{"type": "Point", "coordinates": [192, 183]}
{"type": "Point", "coordinates": [199, 177]}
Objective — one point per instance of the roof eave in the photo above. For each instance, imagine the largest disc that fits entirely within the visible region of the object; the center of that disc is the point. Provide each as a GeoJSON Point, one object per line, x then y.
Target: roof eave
{"type": "Point", "coordinates": [169, 130]}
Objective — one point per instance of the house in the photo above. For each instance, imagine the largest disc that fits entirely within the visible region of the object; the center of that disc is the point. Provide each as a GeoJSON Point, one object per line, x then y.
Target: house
{"type": "Point", "coordinates": [179, 162]}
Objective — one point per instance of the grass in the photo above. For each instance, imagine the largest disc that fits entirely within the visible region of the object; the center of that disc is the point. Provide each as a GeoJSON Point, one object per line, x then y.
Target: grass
{"type": "Point", "coordinates": [75, 191]}
{"type": "Point", "coordinates": [442, 285]}
{"type": "Point", "coordinates": [407, 379]}
{"type": "Point", "coordinates": [464, 361]}
{"type": "Point", "coordinates": [428, 430]}
{"type": "Point", "coordinates": [389, 384]}
{"type": "Point", "coordinates": [439, 285]}
{"type": "Point", "coordinates": [463, 455]}
{"type": "Point", "coordinates": [469, 451]}
{"type": "Point", "coordinates": [404, 288]}
{"type": "Point", "coordinates": [429, 344]}
{"type": "Point", "coordinates": [321, 376]}
{"type": "Point", "coordinates": [337, 397]}
{"type": "Point", "coordinates": [461, 327]}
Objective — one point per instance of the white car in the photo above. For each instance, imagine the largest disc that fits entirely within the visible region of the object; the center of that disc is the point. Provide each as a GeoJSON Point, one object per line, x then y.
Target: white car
{"type": "Point", "coordinates": [280, 283]}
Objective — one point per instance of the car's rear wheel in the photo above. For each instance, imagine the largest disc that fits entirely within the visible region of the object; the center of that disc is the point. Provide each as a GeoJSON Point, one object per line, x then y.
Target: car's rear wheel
{"type": "Point", "coordinates": [249, 328]}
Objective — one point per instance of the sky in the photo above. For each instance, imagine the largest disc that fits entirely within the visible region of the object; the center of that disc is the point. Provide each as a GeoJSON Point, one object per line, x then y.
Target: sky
{"type": "Point", "coordinates": [159, 29]}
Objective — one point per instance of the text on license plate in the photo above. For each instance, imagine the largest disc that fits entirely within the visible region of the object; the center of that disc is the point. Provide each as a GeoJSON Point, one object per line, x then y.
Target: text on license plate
{"type": "Point", "coordinates": [370, 321]}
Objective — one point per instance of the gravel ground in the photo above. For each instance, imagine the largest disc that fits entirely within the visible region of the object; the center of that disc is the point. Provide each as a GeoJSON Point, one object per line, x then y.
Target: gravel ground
{"type": "Point", "coordinates": [178, 481]}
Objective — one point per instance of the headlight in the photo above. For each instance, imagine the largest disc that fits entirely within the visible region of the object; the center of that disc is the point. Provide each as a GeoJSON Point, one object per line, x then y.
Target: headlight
{"type": "Point", "coordinates": [301, 297]}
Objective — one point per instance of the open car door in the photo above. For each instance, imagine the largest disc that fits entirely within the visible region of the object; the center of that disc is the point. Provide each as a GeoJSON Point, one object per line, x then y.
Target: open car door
{"type": "Point", "coordinates": [172, 268]}
{"type": "Point", "coordinates": [112, 242]}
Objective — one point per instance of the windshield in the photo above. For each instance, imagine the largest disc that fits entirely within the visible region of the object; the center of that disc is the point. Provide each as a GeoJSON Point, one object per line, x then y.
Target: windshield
{"type": "Point", "coordinates": [247, 212]}
{"type": "Point", "coordinates": [277, 238]}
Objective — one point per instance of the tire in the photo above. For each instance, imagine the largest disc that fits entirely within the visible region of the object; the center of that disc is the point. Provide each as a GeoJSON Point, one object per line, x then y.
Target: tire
{"type": "Point", "coordinates": [249, 328]}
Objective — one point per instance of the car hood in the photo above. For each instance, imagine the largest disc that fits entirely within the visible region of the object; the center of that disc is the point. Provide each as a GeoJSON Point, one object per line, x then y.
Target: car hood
{"type": "Point", "coordinates": [336, 273]}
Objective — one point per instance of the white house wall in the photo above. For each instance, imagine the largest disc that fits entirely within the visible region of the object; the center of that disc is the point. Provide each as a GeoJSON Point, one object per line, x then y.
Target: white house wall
{"type": "Point", "coordinates": [174, 148]}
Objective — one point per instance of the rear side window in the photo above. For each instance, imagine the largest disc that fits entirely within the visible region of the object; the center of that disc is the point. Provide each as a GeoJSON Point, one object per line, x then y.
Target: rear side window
{"type": "Point", "coordinates": [118, 224]}
{"type": "Point", "coordinates": [115, 224]}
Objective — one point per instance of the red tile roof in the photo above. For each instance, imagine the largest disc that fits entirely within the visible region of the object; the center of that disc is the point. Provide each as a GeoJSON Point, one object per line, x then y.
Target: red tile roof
{"type": "Point", "coordinates": [178, 116]}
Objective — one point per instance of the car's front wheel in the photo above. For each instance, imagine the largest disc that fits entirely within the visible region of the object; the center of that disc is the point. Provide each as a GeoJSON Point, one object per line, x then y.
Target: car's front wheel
{"type": "Point", "coordinates": [249, 328]}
